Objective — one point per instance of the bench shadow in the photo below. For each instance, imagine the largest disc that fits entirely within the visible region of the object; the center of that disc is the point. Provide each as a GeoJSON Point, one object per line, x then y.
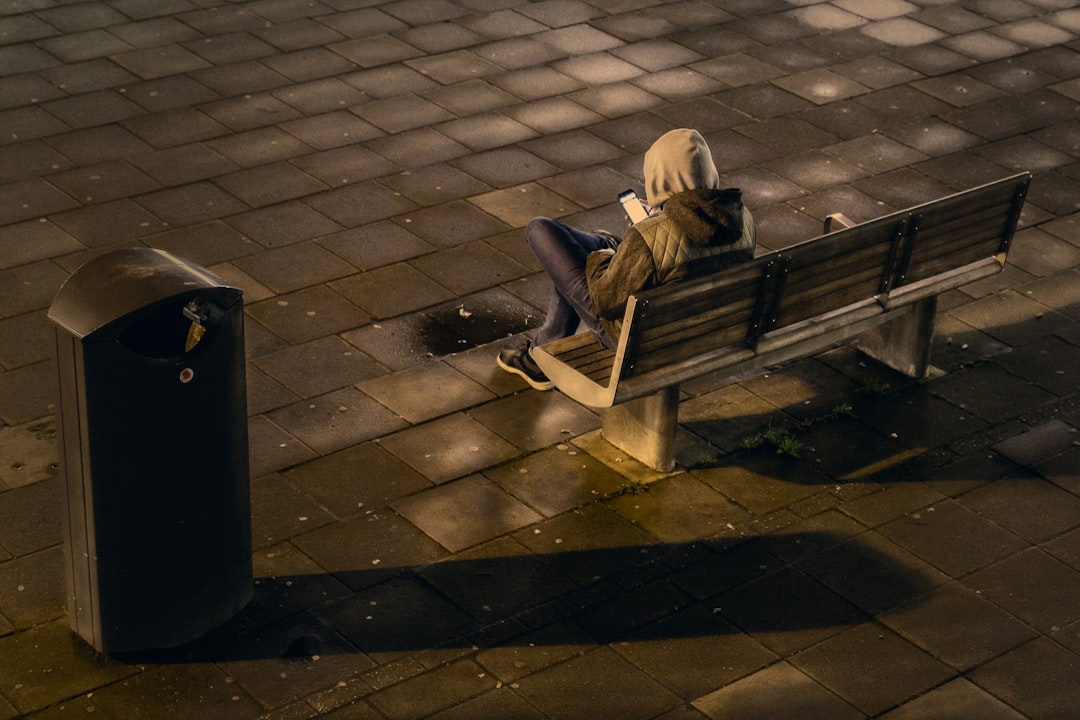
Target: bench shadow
{"type": "Point", "coordinates": [871, 423]}
{"type": "Point", "coordinates": [771, 587]}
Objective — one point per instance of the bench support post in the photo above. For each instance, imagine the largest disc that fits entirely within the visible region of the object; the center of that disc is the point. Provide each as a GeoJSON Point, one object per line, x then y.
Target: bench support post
{"type": "Point", "coordinates": [645, 428]}
{"type": "Point", "coordinates": [904, 343]}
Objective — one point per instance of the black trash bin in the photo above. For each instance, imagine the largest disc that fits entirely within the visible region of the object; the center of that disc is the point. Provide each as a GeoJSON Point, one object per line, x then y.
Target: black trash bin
{"type": "Point", "coordinates": [153, 450]}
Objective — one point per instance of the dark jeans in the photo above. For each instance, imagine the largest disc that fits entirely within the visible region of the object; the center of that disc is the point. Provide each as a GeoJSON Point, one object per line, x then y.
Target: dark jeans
{"type": "Point", "coordinates": [561, 250]}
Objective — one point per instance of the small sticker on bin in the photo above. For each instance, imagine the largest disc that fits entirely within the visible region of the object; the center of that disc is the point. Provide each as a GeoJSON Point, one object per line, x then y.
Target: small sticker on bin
{"type": "Point", "coordinates": [187, 375]}
{"type": "Point", "coordinates": [197, 312]}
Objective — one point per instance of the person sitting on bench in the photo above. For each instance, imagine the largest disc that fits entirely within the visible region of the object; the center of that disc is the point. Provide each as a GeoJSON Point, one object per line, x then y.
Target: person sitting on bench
{"type": "Point", "coordinates": [693, 227]}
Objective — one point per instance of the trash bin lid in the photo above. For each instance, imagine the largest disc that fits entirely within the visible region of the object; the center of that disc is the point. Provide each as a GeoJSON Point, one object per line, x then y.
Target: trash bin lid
{"type": "Point", "coordinates": [118, 283]}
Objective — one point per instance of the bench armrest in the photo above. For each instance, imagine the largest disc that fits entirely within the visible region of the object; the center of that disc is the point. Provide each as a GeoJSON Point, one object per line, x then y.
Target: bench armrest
{"type": "Point", "coordinates": [836, 221]}
{"type": "Point", "coordinates": [581, 367]}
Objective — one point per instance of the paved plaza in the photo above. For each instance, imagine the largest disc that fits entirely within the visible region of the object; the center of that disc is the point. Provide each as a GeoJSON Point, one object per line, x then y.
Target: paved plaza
{"type": "Point", "coordinates": [432, 538]}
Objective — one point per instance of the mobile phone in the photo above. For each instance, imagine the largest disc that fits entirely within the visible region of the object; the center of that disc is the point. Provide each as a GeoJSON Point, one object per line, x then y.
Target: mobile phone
{"type": "Point", "coordinates": [632, 206]}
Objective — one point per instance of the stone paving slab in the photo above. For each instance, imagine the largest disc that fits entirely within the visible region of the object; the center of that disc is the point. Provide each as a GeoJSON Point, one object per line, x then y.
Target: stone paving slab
{"type": "Point", "coordinates": [430, 538]}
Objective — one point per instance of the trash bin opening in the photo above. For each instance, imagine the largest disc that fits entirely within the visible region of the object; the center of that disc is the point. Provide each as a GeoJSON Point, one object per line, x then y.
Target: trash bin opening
{"type": "Point", "coordinates": [170, 330]}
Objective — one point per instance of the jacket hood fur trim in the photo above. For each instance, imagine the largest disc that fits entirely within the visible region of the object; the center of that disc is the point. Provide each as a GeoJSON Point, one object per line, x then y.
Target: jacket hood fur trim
{"type": "Point", "coordinates": [708, 217]}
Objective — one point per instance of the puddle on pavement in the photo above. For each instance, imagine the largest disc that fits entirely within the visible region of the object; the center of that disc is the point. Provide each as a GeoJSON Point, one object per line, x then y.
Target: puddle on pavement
{"type": "Point", "coordinates": [459, 327]}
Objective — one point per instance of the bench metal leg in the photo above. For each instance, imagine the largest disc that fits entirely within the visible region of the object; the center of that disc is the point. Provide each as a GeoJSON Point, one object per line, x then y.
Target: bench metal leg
{"type": "Point", "coordinates": [645, 428]}
{"type": "Point", "coordinates": [904, 343]}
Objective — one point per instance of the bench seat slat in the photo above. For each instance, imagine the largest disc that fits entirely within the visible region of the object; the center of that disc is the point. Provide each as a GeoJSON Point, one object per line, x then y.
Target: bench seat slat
{"type": "Point", "coordinates": [569, 347]}
{"type": "Point", "coordinates": [594, 389]}
{"type": "Point", "coordinates": [587, 355]}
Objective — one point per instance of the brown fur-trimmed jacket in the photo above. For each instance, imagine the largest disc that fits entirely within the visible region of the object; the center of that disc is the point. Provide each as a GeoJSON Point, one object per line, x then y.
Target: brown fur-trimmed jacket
{"type": "Point", "coordinates": [697, 232]}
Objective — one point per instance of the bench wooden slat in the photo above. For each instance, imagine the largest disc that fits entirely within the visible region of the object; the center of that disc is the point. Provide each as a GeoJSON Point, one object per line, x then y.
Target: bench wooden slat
{"type": "Point", "coordinates": [848, 244]}
{"type": "Point", "coordinates": [813, 300]}
{"type": "Point", "coordinates": [776, 347]}
{"type": "Point", "coordinates": [595, 389]}
{"type": "Point", "coordinates": [835, 270]}
{"type": "Point", "coordinates": [855, 272]}
{"type": "Point", "coordinates": [945, 281]}
{"type": "Point", "coordinates": [587, 355]}
{"type": "Point", "coordinates": [696, 289]}
{"type": "Point", "coordinates": [936, 221]}
{"type": "Point", "coordinates": [710, 311]}
{"type": "Point", "coordinates": [580, 351]}
{"type": "Point", "coordinates": [798, 289]}
{"type": "Point", "coordinates": [962, 228]}
{"type": "Point", "coordinates": [683, 340]}
{"type": "Point", "coordinates": [937, 254]}
{"type": "Point", "coordinates": [719, 310]}
{"type": "Point", "coordinates": [998, 193]}
{"type": "Point", "coordinates": [935, 237]}
{"type": "Point", "coordinates": [728, 308]}
{"type": "Point", "coordinates": [942, 262]}
{"type": "Point", "coordinates": [931, 236]}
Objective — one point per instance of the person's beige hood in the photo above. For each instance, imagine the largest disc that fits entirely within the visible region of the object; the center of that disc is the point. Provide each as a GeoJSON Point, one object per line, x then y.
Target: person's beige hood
{"type": "Point", "coordinates": [679, 160]}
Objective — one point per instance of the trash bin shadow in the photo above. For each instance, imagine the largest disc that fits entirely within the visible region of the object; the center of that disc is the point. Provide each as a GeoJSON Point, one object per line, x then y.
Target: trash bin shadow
{"type": "Point", "coordinates": [770, 587]}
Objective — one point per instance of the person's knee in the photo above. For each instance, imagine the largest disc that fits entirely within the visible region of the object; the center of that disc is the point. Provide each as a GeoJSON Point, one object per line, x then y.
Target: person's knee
{"type": "Point", "coordinates": [542, 222]}
{"type": "Point", "coordinates": [541, 231]}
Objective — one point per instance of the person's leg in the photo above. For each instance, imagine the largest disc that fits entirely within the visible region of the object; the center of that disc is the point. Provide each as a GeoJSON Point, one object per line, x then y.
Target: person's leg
{"type": "Point", "coordinates": [561, 251]}
{"type": "Point", "coordinates": [560, 321]}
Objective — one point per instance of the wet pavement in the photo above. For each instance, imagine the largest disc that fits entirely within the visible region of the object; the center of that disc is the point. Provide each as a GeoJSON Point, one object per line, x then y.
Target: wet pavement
{"type": "Point", "coordinates": [433, 539]}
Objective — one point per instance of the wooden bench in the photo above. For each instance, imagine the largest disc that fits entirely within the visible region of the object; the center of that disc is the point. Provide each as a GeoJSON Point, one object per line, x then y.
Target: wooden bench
{"type": "Point", "coordinates": [877, 280]}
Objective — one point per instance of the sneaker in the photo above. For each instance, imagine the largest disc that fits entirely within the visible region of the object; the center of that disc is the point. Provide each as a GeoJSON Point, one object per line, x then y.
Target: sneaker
{"type": "Point", "coordinates": [519, 362]}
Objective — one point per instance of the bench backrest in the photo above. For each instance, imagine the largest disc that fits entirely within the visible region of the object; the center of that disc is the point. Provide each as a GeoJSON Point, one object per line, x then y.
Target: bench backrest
{"type": "Point", "coordinates": [961, 229]}
{"type": "Point", "coordinates": [863, 263]}
{"type": "Point", "coordinates": [834, 271]}
{"type": "Point", "coordinates": [681, 321]}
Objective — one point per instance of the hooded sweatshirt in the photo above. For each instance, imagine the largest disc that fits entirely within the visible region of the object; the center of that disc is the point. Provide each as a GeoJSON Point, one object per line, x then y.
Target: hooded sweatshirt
{"type": "Point", "coordinates": [696, 228]}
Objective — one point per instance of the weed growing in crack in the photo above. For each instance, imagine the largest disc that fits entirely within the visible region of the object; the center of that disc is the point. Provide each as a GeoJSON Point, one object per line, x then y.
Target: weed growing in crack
{"type": "Point", "coordinates": [631, 487]}
{"type": "Point", "coordinates": [784, 441]}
